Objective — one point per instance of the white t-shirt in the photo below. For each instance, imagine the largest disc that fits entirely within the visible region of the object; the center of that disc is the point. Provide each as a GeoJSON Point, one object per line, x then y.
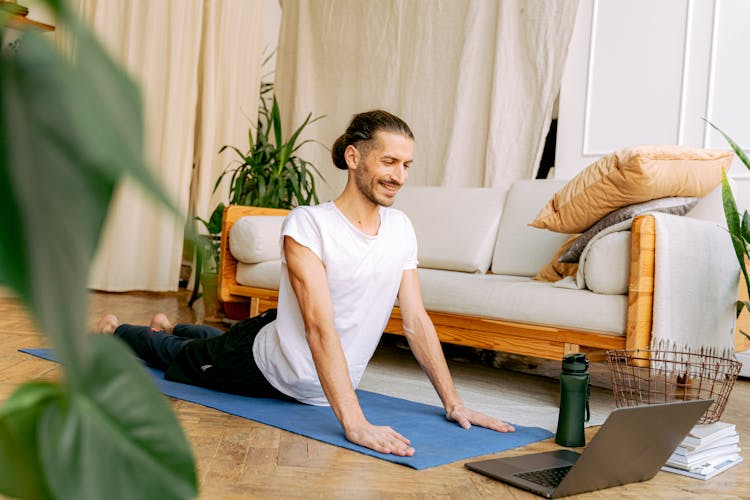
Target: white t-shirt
{"type": "Point", "coordinates": [364, 274]}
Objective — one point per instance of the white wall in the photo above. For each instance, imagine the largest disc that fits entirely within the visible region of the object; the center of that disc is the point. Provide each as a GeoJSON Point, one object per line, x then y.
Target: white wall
{"type": "Point", "coordinates": [645, 72]}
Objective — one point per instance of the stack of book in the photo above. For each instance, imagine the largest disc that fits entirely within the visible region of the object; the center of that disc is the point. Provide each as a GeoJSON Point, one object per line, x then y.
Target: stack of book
{"type": "Point", "coordinates": [706, 451]}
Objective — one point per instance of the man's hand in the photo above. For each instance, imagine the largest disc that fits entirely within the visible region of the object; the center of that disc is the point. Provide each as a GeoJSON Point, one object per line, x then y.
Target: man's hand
{"type": "Point", "coordinates": [382, 439]}
{"type": "Point", "coordinates": [465, 418]}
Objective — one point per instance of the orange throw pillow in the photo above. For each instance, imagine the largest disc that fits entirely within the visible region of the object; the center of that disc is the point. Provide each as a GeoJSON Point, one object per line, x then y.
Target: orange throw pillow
{"type": "Point", "coordinates": [555, 270]}
{"type": "Point", "coordinates": [628, 176]}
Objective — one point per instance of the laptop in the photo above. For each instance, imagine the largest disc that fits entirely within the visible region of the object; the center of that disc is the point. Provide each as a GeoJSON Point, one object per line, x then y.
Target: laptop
{"type": "Point", "coordinates": [631, 446]}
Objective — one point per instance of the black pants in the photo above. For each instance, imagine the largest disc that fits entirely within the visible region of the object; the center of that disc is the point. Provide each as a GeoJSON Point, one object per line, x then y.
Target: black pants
{"type": "Point", "coordinates": [205, 356]}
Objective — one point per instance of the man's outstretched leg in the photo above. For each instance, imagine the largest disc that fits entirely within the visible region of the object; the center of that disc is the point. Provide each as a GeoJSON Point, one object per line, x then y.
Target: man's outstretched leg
{"type": "Point", "coordinates": [150, 343]}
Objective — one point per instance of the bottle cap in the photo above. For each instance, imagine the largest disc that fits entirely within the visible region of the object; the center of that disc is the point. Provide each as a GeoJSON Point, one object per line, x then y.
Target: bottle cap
{"type": "Point", "coordinates": [575, 363]}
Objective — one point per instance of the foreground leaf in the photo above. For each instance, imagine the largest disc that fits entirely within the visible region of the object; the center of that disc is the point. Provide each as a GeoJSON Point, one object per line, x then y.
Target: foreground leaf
{"type": "Point", "coordinates": [22, 475]}
{"type": "Point", "coordinates": [70, 131]}
{"type": "Point", "coordinates": [116, 439]}
{"type": "Point", "coordinates": [60, 204]}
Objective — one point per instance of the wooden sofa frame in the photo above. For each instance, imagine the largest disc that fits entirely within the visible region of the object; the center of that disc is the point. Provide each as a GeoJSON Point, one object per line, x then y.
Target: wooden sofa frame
{"type": "Point", "coordinates": [486, 333]}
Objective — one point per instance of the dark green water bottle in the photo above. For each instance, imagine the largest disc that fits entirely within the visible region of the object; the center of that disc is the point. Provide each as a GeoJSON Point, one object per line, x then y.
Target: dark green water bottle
{"type": "Point", "coordinates": [575, 386]}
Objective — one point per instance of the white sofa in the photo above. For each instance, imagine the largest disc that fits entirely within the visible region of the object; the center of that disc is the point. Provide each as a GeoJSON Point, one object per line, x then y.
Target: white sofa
{"type": "Point", "coordinates": [477, 257]}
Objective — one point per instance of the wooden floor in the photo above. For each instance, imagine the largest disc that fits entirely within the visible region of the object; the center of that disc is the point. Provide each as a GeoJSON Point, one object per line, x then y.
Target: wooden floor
{"type": "Point", "coordinates": [238, 458]}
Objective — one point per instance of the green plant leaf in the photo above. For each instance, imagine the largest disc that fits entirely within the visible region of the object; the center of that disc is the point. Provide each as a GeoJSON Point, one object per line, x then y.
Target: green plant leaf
{"type": "Point", "coordinates": [296, 133]}
{"type": "Point", "coordinates": [735, 147]}
{"type": "Point", "coordinates": [282, 157]}
{"type": "Point", "coordinates": [46, 173]}
{"type": "Point", "coordinates": [116, 438]}
{"type": "Point", "coordinates": [76, 129]}
{"type": "Point", "coordinates": [276, 122]}
{"type": "Point", "coordinates": [745, 227]}
{"type": "Point", "coordinates": [71, 128]}
{"type": "Point", "coordinates": [214, 223]}
{"type": "Point", "coordinates": [299, 145]}
{"type": "Point", "coordinates": [22, 474]}
{"type": "Point", "coordinates": [269, 175]}
{"type": "Point", "coordinates": [733, 225]}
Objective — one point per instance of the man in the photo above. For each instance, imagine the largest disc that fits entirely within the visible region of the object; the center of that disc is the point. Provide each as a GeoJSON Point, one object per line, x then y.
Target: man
{"type": "Point", "coordinates": [343, 265]}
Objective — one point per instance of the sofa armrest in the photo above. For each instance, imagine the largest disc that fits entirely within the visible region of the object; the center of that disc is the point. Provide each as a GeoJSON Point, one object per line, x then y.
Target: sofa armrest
{"type": "Point", "coordinates": [641, 284]}
{"type": "Point", "coordinates": [641, 289]}
{"type": "Point", "coordinates": [227, 262]}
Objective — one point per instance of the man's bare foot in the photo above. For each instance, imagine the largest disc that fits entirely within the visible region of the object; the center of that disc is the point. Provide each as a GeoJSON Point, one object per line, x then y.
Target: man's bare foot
{"type": "Point", "coordinates": [107, 324]}
{"type": "Point", "coordinates": [161, 322]}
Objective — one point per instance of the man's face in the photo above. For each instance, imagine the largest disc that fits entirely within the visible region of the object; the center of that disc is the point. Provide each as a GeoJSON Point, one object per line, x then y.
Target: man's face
{"type": "Point", "coordinates": [382, 172]}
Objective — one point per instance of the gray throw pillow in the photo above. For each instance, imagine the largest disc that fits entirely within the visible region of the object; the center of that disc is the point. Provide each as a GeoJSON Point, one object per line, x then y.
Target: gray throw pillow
{"type": "Point", "coordinates": [674, 205]}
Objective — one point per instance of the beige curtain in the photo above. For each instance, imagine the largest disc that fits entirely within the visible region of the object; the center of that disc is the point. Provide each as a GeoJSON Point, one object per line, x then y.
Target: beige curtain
{"type": "Point", "coordinates": [183, 56]}
{"type": "Point", "coordinates": [229, 83]}
{"type": "Point", "coordinates": [475, 79]}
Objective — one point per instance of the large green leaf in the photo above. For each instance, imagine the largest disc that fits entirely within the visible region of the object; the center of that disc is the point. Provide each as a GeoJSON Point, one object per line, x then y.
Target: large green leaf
{"type": "Point", "coordinates": [22, 475]}
{"type": "Point", "coordinates": [61, 203]}
{"type": "Point", "coordinates": [116, 438]}
{"type": "Point", "coordinates": [214, 223]}
{"type": "Point", "coordinates": [71, 131]}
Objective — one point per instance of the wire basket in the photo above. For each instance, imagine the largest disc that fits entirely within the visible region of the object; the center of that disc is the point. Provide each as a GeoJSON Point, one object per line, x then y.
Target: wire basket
{"type": "Point", "coordinates": [645, 376]}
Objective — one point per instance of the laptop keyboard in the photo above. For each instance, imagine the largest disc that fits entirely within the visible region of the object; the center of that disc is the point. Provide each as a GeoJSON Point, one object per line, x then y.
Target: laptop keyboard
{"type": "Point", "coordinates": [547, 477]}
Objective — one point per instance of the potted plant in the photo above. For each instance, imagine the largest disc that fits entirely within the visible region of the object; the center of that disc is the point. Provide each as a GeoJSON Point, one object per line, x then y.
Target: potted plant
{"type": "Point", "coordinates": [738, 226]}
{"type": "Point", "coordinates": [207, 268]}
{"type": "Point", "coordinates": [269, 174]}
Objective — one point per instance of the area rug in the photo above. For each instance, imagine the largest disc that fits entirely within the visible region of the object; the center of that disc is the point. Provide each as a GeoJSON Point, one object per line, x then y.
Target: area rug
{"type": "Point", "coordinates": [436, 441]}
{"type": "Point", "coordinates": [512, 392]}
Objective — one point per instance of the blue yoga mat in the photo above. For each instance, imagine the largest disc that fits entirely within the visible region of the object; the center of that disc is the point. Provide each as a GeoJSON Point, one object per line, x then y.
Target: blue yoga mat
{"type": "Point", "coordinates": [436, 440]}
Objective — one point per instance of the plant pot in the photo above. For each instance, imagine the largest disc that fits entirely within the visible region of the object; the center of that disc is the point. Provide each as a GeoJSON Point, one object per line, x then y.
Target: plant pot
{"type": "Point", "coordinates": [236, 310]}
{"type": "Point", "coordinates": [211, 310]}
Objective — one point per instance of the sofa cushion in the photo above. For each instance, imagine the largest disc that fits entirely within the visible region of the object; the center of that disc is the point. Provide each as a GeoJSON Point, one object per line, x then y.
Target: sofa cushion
{"type": "Point", "coordinates": [515, 298]}
{"type": "Point", "coordinates": [629, 176]}
{"type": "Point", "coordinates": [607, 266]}
{"type": "Point", "coordinates": [455, 227]}
{"type": "Point", "coordinates": [511, 298]}
{"type": "Point", "coordinates": [255, 238]}
{"type": "Point", "coordinates": [261, 275]}
{"type": "Point", "coordinates": [521, 250]}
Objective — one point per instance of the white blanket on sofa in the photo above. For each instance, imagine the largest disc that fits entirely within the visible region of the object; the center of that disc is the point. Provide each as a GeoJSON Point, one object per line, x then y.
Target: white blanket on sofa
{"type": "Point", "coordinates": [696, 291]}
{"type": "Point", "coordinates": [695, 285]}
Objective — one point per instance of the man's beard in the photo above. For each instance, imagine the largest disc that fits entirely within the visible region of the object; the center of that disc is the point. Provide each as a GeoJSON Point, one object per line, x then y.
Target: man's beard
{"type": "Point", "coordinates": [361, 179]}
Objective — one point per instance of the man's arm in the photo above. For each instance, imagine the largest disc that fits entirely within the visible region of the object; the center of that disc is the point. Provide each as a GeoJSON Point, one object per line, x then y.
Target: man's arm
{"type": "Point", "coordinates": [307, 276]}
{"type": "Point", "coordinates": [424, 343]}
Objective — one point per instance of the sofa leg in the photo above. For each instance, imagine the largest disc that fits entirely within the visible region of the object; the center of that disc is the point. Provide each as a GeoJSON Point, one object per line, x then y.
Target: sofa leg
{"type": "Point", "coordinates": [254, 307]}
